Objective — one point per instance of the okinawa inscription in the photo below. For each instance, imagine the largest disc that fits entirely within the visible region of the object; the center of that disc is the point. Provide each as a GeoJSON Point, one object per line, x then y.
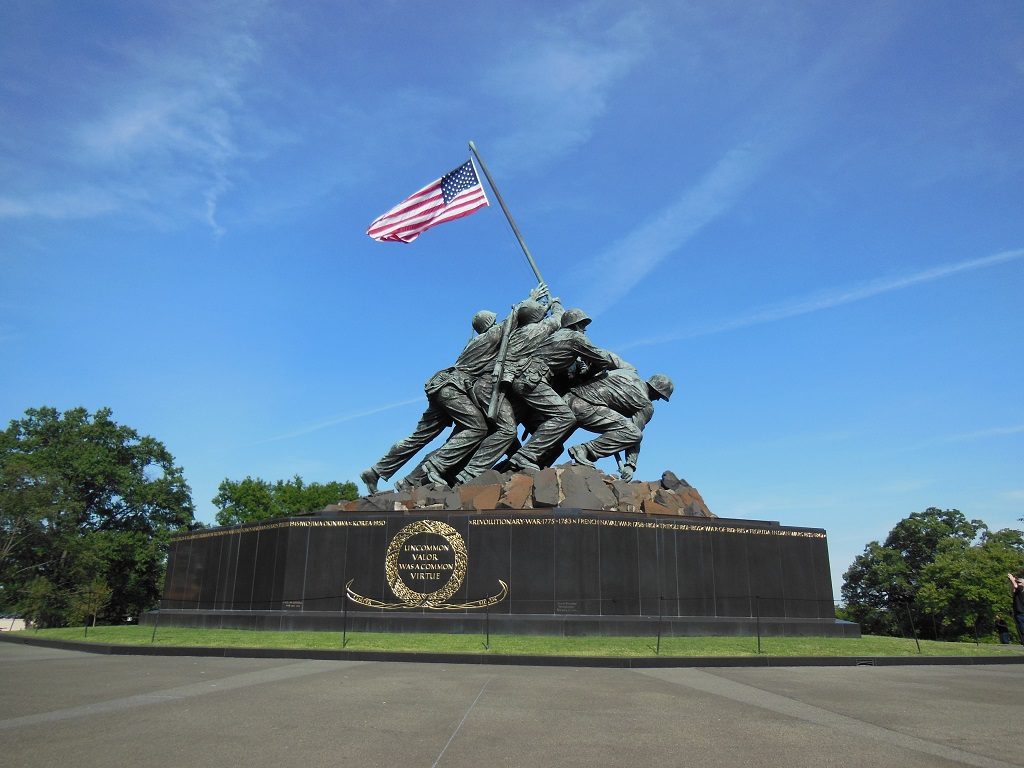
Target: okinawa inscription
{"type": "Point", "coordinates": [425, 565]}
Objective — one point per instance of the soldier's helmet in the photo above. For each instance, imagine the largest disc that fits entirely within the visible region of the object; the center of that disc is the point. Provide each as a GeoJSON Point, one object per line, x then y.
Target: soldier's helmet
{"type": "Point", "coordinates": [662, 384]}
{"type": "Point", "coordinates": [574, 316]}
{"type": "Point", "coordinates": [483, 320]}
{"type": "Point", "coordinates": [530, 311]}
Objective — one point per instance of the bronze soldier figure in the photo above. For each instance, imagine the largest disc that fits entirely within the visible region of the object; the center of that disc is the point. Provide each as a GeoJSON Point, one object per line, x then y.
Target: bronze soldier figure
{"type": "Point", "coordinates": [617, 405]}
{"type": "Point", "coordinates": [449, 401]}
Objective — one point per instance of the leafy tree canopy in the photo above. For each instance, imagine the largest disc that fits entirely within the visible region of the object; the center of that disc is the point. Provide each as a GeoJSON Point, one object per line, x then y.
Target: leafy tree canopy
{"type": "Point", "coordinates": [252, 499]}
{"type": "Point", "coordinates": [86, 508]}
{"type": "Point", "coordinates": [937, 568]}
{"type": "Point", "coordinates": [966, 585]}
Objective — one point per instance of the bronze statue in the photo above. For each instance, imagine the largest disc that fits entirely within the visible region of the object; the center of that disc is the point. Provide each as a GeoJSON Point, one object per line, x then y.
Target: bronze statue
{"type": "Point", "coordinates": [536, 368]}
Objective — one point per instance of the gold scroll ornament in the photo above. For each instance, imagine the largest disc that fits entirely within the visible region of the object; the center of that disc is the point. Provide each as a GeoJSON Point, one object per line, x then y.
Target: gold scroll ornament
{"type": "Point", "coordinates": [438, 599]}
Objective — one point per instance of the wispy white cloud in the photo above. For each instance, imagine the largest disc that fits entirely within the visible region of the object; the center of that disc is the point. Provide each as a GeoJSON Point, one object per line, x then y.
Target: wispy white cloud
{"type": "Point", "coordinates": [183, 111]}
{"type": "Point", "coordinates": [776, 503]}
{"type": "Point", "coordinates": [85, 203]}
{"type": "Point", "coordinates": [340, 420]}
{"type": "Point", "coordinates": [904, 486]}
{"type": "Point", "coordinates": [989, 433]}
{"type": "Point", "coordinates": [560, 84]}
{"type": "Point", "coordinates": [636, 255]}
{"type": "Point", "coordinates": [982, 434]}
{"type": "Point", "coordinates": [829, 299]}
{"type": "Point", "coordinates": [795, 111]}
{"type": "Point", "coordinates": [158, 132]}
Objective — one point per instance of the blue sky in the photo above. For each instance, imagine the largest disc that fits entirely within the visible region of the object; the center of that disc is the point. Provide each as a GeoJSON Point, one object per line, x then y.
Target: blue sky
{"type": "Point", "coordinates": [809, 215]}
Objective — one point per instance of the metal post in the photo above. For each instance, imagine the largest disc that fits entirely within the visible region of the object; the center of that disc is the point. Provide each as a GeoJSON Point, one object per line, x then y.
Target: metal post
{"type": "Point", "coordinates": [487, 625]}
{"type": "Point", "coordinates": [912, 627]}
{"type": "Point", "coordinates": [504, 208]}
{"type": "Point", "coordinates": [757, 613]}
{"type": "Point", "coordinates": [156, 624]}
{"type": "Point", "coordinates": [344, 598]}
{"type": "Point", "coordinates": [657, 650]}
{"type": "Point", "coordinates": [344, 619]}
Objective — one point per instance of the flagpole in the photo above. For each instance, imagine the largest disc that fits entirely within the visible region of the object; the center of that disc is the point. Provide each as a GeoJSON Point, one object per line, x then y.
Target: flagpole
{"type": "Point", "coordinates": [501, 202]}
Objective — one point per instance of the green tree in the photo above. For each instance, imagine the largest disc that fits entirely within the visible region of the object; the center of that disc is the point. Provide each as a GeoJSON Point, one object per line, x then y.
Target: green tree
{"type": "Point", "coordinates": [85, 501]}
{"type": "Point", "coordinates": [87, 601]}
{"type": "Point", "coordinates": [937, 568]}
{"type": "Point", "coordinates": [253, 499]}
{"type": "Point", "coordinates": [965, 585]}
{"type": "Point", "coordinates": [40, 601]}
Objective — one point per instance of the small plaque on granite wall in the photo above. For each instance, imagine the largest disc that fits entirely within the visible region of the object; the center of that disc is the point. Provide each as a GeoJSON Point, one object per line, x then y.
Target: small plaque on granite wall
{"type": "Point", "coordinates": [291, 605]}
{"type": "Point", "coordinates": [567, 606]}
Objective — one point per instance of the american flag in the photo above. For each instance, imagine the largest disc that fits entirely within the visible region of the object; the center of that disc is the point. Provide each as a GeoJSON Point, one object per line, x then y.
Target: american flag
{"type": "Point", "coordinates": [456, 194]}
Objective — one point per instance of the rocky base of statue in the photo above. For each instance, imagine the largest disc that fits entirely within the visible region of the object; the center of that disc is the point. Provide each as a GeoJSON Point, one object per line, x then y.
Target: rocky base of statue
{"type": "Point", "coordinates": [567, 486]}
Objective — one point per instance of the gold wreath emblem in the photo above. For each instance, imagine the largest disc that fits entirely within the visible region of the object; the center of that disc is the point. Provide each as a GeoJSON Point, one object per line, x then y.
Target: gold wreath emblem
{"type": "Point", "coordinates": [437, 599]}
{"type": "Point", "coordinates": [458, 547]}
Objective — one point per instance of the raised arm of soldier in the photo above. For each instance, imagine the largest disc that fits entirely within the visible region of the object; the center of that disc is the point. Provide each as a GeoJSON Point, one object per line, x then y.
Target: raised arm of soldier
{"type": "Point", "coordinates": [617, 363]}
{"type": "Point", "coordinates": [541, 293]}
{"type": "Point", "coordinates": [555, 311]}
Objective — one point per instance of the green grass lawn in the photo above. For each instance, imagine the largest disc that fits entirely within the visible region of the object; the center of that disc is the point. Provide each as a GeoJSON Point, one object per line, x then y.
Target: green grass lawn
{"type": "Point", "coordinates": [524, 645]}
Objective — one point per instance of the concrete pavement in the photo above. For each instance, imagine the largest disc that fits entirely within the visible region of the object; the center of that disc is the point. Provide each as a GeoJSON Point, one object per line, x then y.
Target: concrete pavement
{"type": "Point", "coordinates": [80, 710]}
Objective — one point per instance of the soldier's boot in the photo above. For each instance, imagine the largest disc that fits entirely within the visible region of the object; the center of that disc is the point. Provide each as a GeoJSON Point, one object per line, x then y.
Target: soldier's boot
{"type": "Point", "coordinates": [518, 462]}
{"type": "Point", "coordinates": [370, 477]}
{"type": "Point", "coordinates": [580, 455]}
{"type": "Point", "coordinates": [433, 474]}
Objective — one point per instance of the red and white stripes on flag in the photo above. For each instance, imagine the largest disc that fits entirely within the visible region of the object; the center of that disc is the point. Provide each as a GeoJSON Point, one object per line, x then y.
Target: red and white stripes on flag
{"type": "Point", "coordinates": [456, 194]}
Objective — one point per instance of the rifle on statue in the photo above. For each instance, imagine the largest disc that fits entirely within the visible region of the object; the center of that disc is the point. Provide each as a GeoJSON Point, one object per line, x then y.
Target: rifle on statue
{"type": "Point", "coordinates": [499, 366]}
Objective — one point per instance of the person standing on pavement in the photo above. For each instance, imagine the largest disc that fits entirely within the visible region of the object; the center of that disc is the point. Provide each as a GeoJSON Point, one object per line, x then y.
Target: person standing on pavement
{"type": "Point", "coordinates": [1017, 584]}
{"type": "Point", "coordinates": [1002, 629]}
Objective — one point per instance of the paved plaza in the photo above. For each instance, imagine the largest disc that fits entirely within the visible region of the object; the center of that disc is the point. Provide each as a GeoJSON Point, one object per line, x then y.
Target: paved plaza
{"type": "Point", "coordinates": [77, 709]}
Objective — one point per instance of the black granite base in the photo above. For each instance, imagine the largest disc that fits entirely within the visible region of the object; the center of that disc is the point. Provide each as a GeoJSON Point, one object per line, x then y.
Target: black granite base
{"type": "Point", "coordinates": [556, 572]}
